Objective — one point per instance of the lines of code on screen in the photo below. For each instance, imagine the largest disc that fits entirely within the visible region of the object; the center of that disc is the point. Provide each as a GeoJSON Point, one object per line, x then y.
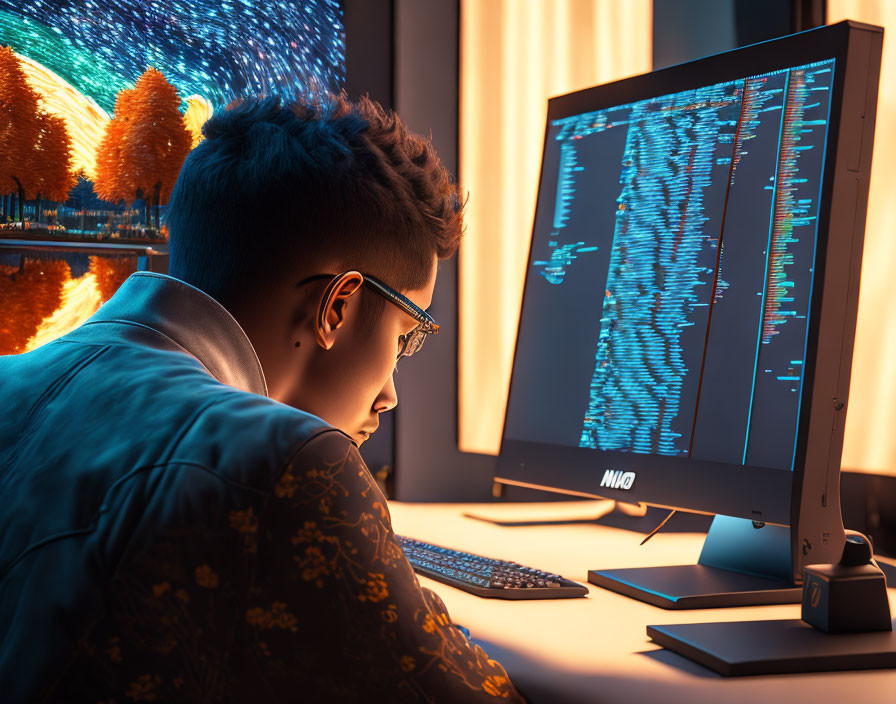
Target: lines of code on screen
{"type": "Point", "coordinates": [667, 302]}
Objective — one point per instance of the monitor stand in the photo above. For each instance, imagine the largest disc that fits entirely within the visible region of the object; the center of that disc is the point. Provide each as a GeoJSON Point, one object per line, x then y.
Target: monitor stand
{"type": "Point", "coordinates": [742, 564]}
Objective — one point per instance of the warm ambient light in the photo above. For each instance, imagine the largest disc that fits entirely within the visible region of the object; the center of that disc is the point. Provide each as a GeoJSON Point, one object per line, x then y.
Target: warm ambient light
{"type": "Point", "coordinates": [870, 444]}
{"type": "Point", "coordinates": [514, 56]}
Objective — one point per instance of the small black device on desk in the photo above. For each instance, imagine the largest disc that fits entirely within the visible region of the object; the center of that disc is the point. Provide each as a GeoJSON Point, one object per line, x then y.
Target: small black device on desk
{"type": "Point", "coordinates": [484, 576]}
{"type": "Point", "coordinates": [849, 597]}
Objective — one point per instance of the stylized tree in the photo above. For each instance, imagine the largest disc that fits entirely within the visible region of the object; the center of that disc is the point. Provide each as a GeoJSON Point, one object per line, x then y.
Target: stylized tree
{"type": "Point", "coordinates": [158, 140]}
{"type": "Point", "coordinates": [19, 127]}
{"type": "Point", "coordinates": [35, 148]}
{"type": "Point", "coordinates": [113, 182]}
{"type": "Point", "coordinates": [145, 144]}
{"type": "Point", "coordinates": [52, 174]}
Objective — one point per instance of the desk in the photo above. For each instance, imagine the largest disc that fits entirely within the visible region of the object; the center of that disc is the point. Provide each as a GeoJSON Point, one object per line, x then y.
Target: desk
{"type": "Point", "coordinates": [596, 649]}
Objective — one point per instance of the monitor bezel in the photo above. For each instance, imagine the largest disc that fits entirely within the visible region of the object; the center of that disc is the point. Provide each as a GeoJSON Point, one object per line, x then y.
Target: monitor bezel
{"type": "Point", "coordinates": [758, 493]}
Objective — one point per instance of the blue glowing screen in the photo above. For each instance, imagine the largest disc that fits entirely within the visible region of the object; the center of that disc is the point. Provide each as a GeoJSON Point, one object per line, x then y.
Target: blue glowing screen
{"type": "Point", "coordinates": [667, 299]}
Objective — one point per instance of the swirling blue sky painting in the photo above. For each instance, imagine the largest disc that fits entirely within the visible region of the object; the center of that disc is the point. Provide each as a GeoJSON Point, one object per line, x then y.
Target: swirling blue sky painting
{"type": "Point", "coordinates": [217, 49]}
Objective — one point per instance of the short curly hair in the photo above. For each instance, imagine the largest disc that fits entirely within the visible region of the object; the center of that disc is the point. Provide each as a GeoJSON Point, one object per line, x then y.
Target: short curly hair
{"type": "Point", "coordinates": [274, 186]}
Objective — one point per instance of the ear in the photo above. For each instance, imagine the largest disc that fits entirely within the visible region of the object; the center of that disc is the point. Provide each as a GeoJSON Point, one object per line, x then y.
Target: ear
{"type": "Point", "coordinates": [331, 308]}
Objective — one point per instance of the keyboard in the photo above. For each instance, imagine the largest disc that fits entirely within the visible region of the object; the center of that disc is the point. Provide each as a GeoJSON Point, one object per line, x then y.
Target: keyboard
{"type": "Point", "coordinates": [485, 576]}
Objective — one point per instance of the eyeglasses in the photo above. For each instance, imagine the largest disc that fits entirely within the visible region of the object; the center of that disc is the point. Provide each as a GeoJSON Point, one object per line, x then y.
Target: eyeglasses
{"type": "Point", "coordinates": [410, 342]}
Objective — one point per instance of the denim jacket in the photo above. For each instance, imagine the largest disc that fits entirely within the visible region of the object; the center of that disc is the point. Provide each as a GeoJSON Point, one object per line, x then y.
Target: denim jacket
{"type": "Point", "coordinates": [169, 533]}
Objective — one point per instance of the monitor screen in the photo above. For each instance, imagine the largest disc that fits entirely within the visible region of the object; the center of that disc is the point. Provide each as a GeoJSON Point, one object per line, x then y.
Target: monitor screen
{"type": "Point", "coordinates": [691, 291]}
{"type": "Point", "coordinates": [668, 289]}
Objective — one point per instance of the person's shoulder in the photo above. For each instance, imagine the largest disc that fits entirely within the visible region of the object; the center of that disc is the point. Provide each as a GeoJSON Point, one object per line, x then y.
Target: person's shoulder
{"type": "Point", "coordinates": [251, 438]}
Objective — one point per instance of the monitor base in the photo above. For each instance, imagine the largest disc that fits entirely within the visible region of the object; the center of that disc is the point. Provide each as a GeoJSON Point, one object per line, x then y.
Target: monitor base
{"type": "Point", "coordinates": [775, 647]}
{"type": "Point", "coordinates": [743, 563]}
{"type": "Point", "coordinates": [695, 587]}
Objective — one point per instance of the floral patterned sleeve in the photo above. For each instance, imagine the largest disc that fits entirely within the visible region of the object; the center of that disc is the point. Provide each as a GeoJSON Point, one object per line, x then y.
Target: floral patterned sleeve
{"type": "Point", "coordinates": [336, 609]}
{"type": "Point", "coordinates": [228, 592]}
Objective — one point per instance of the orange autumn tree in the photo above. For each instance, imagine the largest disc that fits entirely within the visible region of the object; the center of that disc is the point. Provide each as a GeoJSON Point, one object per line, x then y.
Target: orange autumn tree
{"type": "Point", "coordinates": [158, 140]}
{"type": "Point", "coordinates": [145, 144]}
{"type": "Point", "coordinates": [52, 175]}
{"type": "Point", "coordinates": [19, 128]}
{"type": "Point", "coordinates": [113, 182]}
{"type": "Point", "coordinates": [35, 147]}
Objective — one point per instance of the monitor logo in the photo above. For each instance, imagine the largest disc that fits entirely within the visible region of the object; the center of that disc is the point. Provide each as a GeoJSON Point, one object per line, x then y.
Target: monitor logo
{"type": "Point", "coordinates": [617, 479]}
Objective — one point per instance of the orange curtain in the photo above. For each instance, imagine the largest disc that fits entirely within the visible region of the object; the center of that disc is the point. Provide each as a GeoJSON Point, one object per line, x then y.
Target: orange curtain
{"type": "Point", "coordinates": [515, 54]}
{"type": "Point", "coordinates": [870, 441]}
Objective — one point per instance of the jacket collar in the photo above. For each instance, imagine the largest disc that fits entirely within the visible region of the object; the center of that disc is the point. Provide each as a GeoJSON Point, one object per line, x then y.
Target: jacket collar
{"type": "Point", "coordinates": [191, 319]}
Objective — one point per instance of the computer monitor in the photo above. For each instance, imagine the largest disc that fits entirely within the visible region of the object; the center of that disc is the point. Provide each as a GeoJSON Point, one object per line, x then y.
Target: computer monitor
{"type": "Point", "coordinates": [690, 302]}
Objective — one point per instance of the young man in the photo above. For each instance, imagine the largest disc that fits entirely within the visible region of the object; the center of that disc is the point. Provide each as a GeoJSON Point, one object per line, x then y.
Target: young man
{"type": "Point", "coordinates": [186, 515]}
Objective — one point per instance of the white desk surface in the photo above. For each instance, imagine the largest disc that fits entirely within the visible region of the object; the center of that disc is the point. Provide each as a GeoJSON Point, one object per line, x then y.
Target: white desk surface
{"type": "Point", "coordinates": [596, 649]}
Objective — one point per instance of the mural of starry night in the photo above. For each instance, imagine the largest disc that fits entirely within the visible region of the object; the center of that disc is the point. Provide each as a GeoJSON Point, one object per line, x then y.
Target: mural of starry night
{"type": "Point", "coordinates": [100, 103]}
{"type": "Point", "coordinates": [218, 49]}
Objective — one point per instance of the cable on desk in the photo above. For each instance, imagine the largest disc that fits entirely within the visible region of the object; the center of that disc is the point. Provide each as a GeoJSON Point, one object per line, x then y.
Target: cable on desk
{"type": "Point", "coordinates": [657, 529]}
